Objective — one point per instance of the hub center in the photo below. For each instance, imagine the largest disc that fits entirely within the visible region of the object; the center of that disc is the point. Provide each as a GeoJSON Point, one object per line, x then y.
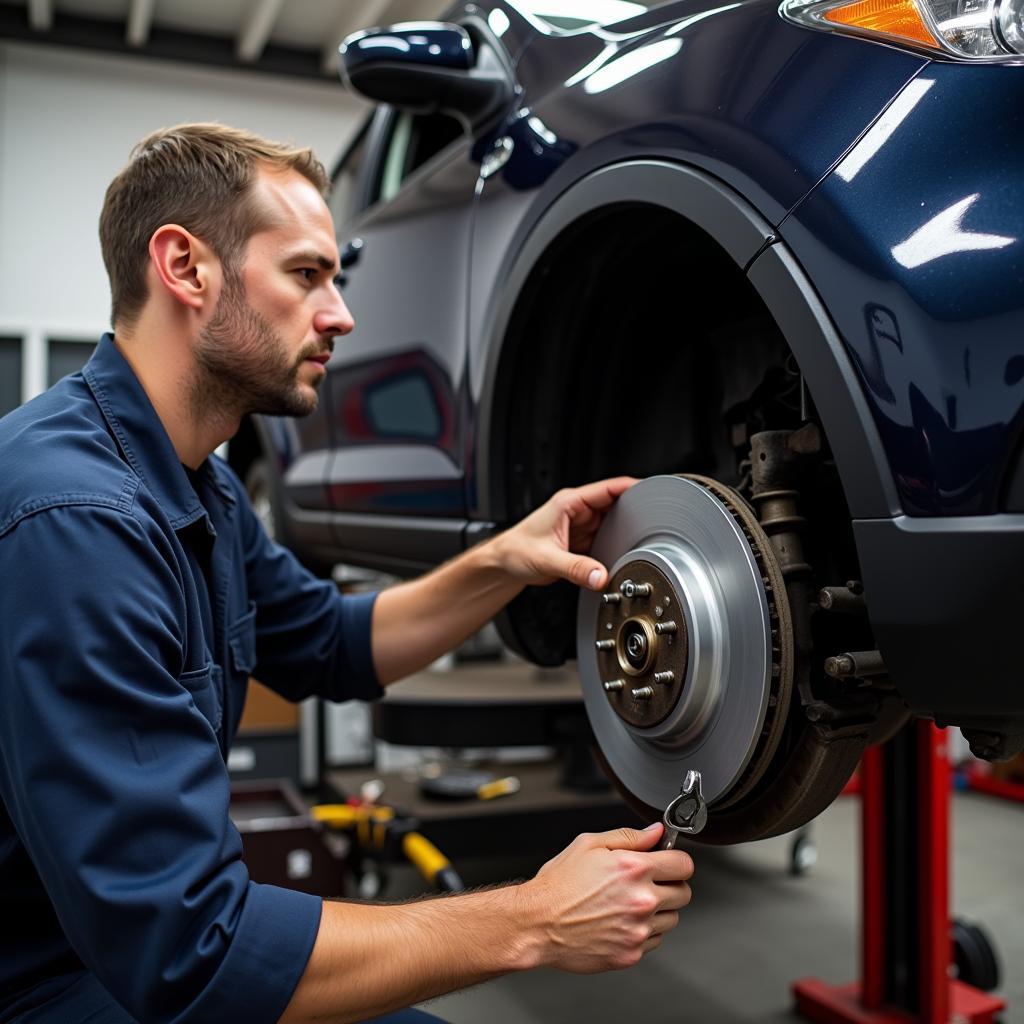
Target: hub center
{"type": "Point", "coordinates": [642, 644]}
{"type": "Point", "coordinates": [636, 649]}
{"type": "Point", "coordinates": [637, 645]}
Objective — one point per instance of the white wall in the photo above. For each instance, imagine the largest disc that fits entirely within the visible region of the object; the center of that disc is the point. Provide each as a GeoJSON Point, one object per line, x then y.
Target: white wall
{"type": "Point", "coordinates": [68, 120]}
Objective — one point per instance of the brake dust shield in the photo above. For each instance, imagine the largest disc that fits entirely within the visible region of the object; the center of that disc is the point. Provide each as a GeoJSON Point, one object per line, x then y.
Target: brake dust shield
{"type": "Point", "coordinates": [686, 658]}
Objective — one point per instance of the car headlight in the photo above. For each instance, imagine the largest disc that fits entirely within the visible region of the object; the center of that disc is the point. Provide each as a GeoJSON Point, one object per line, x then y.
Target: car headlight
{"type": "Point", "coordinates": [963, 28]}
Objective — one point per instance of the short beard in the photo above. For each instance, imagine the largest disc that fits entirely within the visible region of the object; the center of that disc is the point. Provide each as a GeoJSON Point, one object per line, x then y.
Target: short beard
{"type": "Point", "coordinates": [242, 365]}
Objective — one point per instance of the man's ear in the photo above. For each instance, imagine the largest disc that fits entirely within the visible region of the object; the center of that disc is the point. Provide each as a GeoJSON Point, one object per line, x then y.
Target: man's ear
{"type": "Point", "coordinates": [185, 266]}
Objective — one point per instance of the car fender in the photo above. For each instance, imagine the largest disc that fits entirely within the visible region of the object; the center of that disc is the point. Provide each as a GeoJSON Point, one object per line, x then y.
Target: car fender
{"type": "Point", "coordinates": [749, 240]}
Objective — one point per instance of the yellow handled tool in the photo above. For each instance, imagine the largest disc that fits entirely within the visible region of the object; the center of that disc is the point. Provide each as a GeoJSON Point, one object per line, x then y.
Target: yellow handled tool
{"type": "Point", "coordinates": [382, 831]}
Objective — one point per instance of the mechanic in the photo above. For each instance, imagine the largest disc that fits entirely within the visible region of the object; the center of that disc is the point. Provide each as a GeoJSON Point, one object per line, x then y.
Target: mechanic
{"type": "Point", "coordinates": [139, 593]}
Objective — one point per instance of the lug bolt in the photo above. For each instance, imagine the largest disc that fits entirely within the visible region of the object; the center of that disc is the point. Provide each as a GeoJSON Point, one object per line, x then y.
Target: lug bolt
{"type": "Point", "coordinates": [859, 664]}
{"type": "Point", "coordinates": [611, 598]}
{"type": "Point", "coordinates": [841, 599]}
{"type": "Point", "coordinates": [840, 665]}
{"type": "Point", "coordinates": [605, 645]}
{"type": "Point", "coordinates": [664, 627]}
{"type": "Point", "coordinates": [613, 685]}
{"type": "Point", "coordinates": [631, 589]}
{"type": "Point", "coordinates": [643, 693]}
{"type": "Point", "coordinates": [664, 677]}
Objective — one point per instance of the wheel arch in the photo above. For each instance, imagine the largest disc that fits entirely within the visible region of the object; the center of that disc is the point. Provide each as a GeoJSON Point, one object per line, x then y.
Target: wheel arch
{"type": "Point", "coordinates": [774, 276]}
{"type": "Point", "coordinates": [782, 284]}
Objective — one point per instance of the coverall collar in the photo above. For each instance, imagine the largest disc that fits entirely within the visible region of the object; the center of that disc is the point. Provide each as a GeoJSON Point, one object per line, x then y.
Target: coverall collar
{"type": "Point", "coordinates": [142, 438]}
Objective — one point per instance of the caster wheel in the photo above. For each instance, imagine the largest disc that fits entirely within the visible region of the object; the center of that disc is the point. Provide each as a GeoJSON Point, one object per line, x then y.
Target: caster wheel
{"type": "Point", "coordinates": [803, 855]}
{"type": "Point", "coordinates": [974, 956]}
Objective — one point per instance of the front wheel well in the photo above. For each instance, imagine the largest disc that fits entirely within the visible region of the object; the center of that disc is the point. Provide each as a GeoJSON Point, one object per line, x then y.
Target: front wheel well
{"type": "Point", "coordinates": [638, 346]}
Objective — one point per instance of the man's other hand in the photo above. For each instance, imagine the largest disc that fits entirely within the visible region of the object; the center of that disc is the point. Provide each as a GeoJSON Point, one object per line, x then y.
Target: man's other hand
{"type": "Point", "coordinates": [553, 542]}
{"type": "Point", "coordinates": [606, 900]}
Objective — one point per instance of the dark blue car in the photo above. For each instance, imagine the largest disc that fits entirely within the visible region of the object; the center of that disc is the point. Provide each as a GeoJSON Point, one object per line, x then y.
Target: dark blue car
{"type": "Point", "coordinates": [774, 253]}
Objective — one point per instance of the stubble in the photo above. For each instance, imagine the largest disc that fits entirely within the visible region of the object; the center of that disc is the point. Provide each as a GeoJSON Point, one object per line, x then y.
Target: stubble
{"type": "Point", "coordinates": [243, 366]}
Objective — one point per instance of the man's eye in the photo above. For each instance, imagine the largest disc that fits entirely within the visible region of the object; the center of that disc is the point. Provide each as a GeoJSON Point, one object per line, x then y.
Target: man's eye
{"type": "Point", "coordinates": [308, 273]}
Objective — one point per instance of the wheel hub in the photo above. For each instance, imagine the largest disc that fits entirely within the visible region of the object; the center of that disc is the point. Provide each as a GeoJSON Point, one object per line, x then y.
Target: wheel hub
{"type": "Point", "coordinates": [644, 666]}
{"type": "Point", "coordinates": [677, 658]}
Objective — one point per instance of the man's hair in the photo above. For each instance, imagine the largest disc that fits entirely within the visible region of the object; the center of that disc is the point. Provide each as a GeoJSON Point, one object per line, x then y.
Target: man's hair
{"type": "Point", "coordinates": [199, 176]}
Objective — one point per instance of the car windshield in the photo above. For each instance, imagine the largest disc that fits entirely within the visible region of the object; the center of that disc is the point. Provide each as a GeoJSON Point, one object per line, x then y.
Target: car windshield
{"type": "Point", "coordinates": [573, 15]}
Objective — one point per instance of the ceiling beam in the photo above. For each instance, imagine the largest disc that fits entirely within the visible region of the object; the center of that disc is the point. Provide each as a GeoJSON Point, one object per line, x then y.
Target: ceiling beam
{"type": "Point", "coordinates": [363, 14]}
{"type": "Point", "coordinates": [252, 39]}
{"type": "Point", "coordinates": [40, 15]}
{"type": "Point", "coordinates": [140, 20]}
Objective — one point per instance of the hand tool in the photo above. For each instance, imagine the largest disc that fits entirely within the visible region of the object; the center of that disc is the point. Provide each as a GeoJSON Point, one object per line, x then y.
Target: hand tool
{"type": "Point", "coordinates": [687, 814]}
{"type": "Point", "coordinates": [386, 834]}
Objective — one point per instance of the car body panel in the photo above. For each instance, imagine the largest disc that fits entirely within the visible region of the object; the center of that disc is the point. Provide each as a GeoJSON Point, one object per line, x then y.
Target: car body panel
{"type": "Point", "coordinates": [770, 122]}
{"type": "Point", "coordinates": [715, 122]}
{"type": "Point", "coordinates": [395, 382]}
{"type": "Point", "coordinates": [917, 249]}
{"type": "Point", "coordinates": [801, 153]}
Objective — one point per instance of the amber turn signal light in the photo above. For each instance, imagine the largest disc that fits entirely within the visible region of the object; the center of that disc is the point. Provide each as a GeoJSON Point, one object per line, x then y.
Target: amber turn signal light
{"type": "Point", "coordinates": [890, 17]}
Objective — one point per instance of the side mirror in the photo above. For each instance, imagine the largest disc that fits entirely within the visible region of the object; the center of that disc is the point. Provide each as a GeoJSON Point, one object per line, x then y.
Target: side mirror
{"type": "Point", "coordinates": [426, 67]}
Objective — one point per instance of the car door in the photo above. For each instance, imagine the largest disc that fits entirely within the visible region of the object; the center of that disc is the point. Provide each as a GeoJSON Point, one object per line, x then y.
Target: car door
{"type": "Point", "coordinates": [395, 385]}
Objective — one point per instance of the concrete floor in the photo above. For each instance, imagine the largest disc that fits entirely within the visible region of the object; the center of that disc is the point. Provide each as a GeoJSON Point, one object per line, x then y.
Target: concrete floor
{"type": "Point", "coordinates": [752, 929]}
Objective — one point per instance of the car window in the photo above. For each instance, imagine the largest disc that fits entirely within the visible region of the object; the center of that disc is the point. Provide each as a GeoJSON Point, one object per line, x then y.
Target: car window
{"type": "Point", "coordinates": [343, 201]}
{"type": "Point", "coordinates": [412, 140]}
{"type": "Point", "coordinates": [404, 406]}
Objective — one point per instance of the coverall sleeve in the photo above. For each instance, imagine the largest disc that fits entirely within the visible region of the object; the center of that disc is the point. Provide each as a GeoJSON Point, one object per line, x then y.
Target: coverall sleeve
{"type": "Point", "coordinates": [115, 783]}
{"type": "Point", "coordinates": [310, 639]}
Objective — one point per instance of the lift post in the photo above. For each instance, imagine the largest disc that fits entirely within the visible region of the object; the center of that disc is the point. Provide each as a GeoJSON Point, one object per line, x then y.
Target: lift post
{"type": "Point", "coordinates": [906, 946]}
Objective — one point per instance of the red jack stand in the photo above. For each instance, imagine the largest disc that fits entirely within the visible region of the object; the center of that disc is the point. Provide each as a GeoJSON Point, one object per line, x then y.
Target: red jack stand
{"type": "Point", "coordinates": [906, 950]}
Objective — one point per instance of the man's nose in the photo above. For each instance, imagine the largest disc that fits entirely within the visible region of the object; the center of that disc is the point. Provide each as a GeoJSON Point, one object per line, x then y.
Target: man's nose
{"type": "Point", "coordinates": [333, 317]}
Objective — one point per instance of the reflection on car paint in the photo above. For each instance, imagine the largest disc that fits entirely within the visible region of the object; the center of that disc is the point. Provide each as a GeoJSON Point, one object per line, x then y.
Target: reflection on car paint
{"type": "Point", "coordinates": [943, 235]}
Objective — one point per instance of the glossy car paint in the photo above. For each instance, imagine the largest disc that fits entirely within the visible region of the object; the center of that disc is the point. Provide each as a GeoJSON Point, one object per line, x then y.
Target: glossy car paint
{"type": "Point", "coordinates": [769, 124]}
{"type": "Point", "coordinates": [792, 124]}
{"type": "Point", "coordinates": [424, 244]}
{"type": "Point", "coordinates": [438, 47]}
{"type": "Point", "coordinates": [915, 245]}
{"type": "Point", "coordinates": [916, 250]}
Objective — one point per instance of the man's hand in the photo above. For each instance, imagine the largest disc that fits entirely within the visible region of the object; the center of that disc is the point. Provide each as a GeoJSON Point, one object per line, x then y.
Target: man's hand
{"type": "Point", "coordinates": [607, 899]}
{"type": "Point", "coordinates": [553, 542]}
{"type": "Point", "coordinates": [600, 905]}
{"type": "Point", "coordinates": [418, 621]}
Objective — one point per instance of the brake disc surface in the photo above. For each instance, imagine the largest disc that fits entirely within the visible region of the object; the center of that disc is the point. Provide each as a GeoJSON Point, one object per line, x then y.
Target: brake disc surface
{"type": "Point", "coordinates": [676, 657]}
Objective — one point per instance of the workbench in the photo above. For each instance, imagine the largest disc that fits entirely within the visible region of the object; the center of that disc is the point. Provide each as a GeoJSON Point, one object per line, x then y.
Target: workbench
{"type": "Point", "coordinates": [495, 704]}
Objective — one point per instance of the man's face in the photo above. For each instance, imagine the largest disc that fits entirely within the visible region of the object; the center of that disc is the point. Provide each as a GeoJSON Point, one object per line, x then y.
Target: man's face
{"type": "Point", "coordinates": [266, 344]}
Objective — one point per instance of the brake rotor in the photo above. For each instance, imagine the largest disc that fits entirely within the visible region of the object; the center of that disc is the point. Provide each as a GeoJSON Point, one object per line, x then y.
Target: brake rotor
{"type": "Point", "coordinates": [686, 658]}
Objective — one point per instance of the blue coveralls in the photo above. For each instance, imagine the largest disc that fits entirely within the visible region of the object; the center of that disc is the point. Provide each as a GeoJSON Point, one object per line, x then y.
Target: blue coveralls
{"type": "Point", "coordinates": [135, 603]}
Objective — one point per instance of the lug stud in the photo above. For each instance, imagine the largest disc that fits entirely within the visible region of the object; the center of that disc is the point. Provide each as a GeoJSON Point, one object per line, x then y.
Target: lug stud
{"type": "Point", "coordinates": [643, 693]}
{"type": "Point", "coordinates": [631, 589]}
{"type": "Point", "coordinates": [613, 685]}
{"type": "Point", "coordinates": [605, 645]}
{"type": "Point", "coordinates": [611, 598]}
{"type": "Point", "coordinates": [664, 627]}
{"type": "Point", "coordinates": [664, 677]}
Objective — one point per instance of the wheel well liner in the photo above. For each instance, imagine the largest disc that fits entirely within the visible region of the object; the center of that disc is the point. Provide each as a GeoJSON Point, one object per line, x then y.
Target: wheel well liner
{"type": "Point", "coordinates": [780, 282]}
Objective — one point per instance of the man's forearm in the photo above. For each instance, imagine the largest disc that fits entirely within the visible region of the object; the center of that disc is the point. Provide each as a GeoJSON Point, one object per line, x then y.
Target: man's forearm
{"type": "Point", "coordinates": [418, 621]}
{"type": "Point", "coordinates": [369, 960]}
{"type": "Point", "coordinates": [599, 905]}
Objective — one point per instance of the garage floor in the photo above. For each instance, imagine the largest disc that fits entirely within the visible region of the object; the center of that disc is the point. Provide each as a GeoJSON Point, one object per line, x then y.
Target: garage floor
{"type": "Point", "coordinates": [752, 929]}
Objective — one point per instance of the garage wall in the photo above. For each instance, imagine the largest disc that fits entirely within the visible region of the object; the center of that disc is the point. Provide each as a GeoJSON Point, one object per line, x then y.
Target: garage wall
{"type": "Point", "coordinates": [68, 120]}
